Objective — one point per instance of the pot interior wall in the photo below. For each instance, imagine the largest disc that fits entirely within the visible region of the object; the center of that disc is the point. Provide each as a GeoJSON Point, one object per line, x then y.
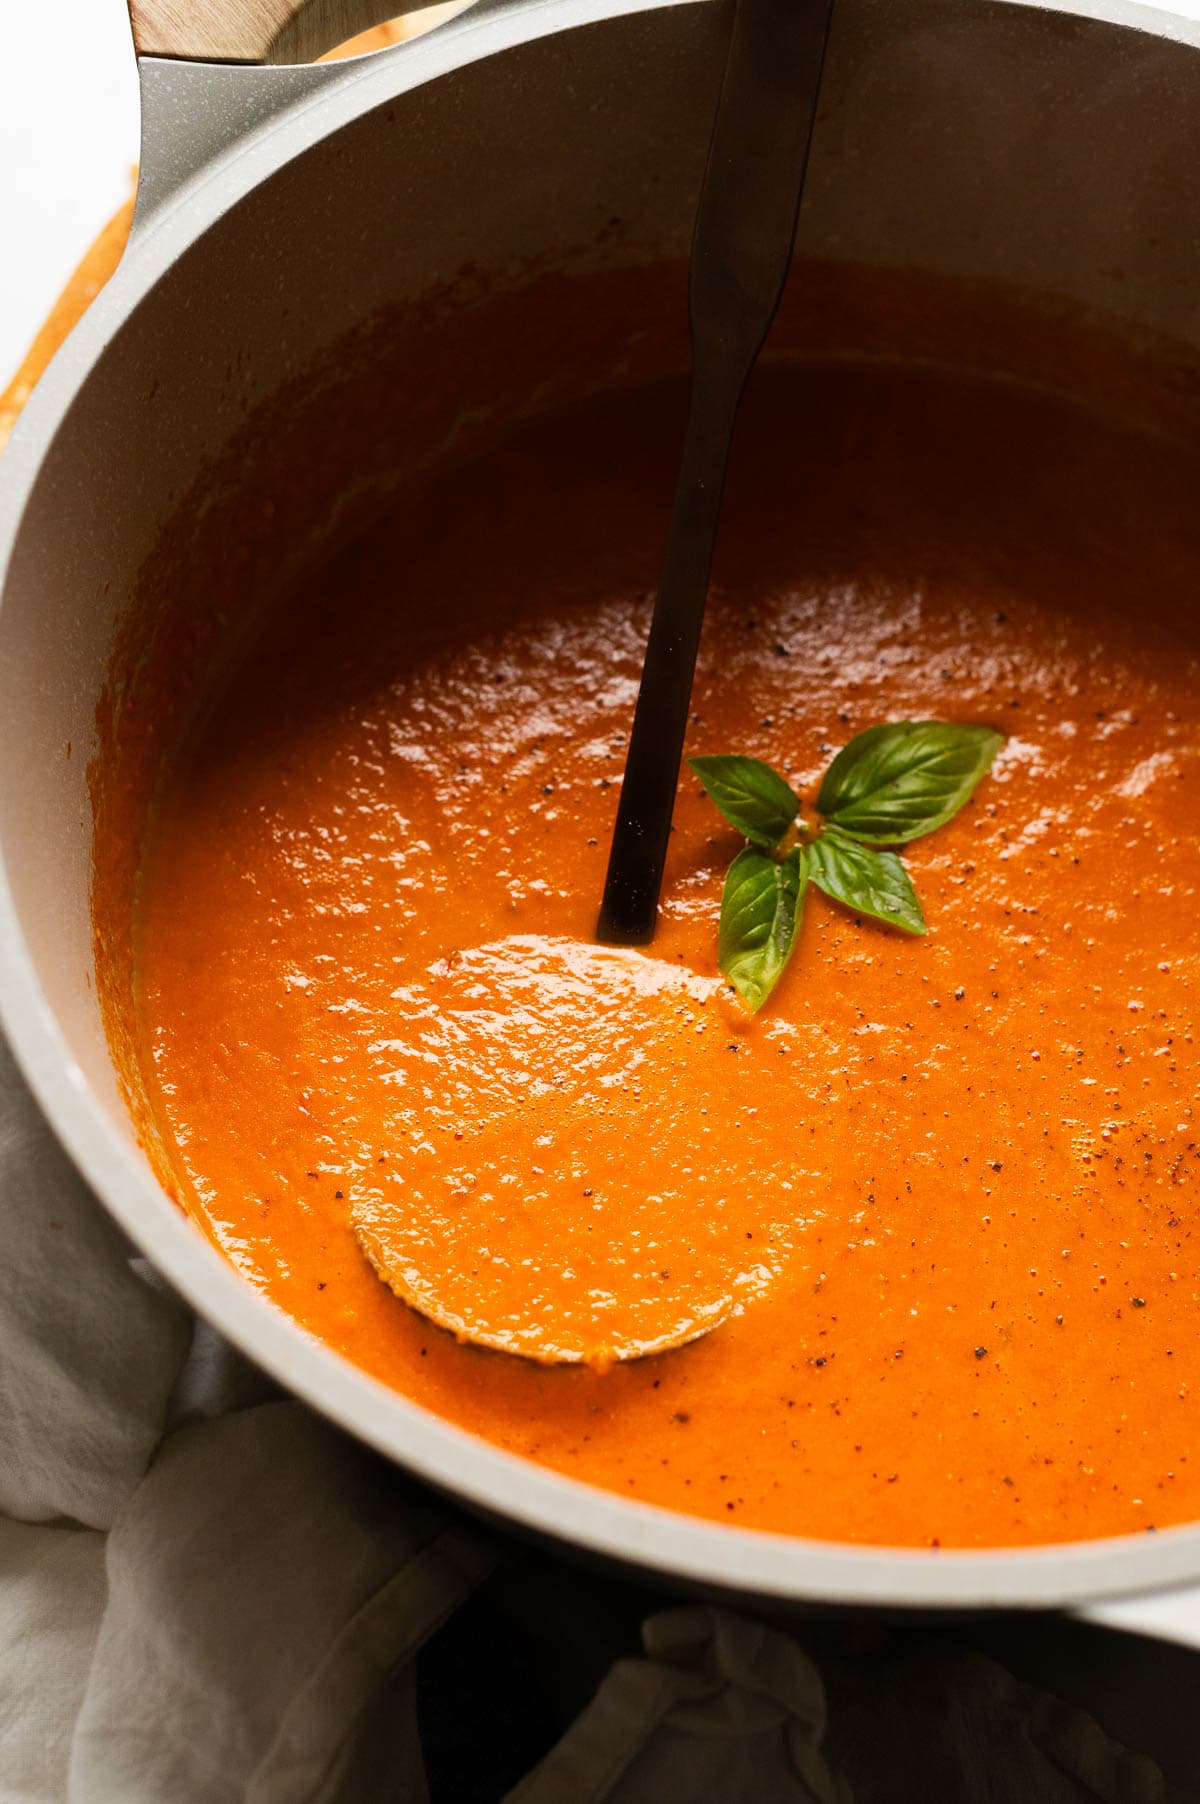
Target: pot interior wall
{"type": "Point", "coordinates": [957, 139]}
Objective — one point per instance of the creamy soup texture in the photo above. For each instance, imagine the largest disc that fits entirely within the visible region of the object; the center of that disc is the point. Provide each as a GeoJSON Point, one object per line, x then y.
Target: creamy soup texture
{"type": "Point", "coordinates": [939, 1195]}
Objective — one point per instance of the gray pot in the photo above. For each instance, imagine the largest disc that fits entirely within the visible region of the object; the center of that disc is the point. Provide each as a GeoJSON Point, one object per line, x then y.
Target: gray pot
{"type": "Point", "coordinates": [1056, 148]}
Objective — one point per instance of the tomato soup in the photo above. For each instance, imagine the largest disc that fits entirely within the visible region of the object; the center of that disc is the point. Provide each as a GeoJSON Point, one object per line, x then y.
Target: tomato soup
{"type": "Point", "coordinates": [939, 1194]}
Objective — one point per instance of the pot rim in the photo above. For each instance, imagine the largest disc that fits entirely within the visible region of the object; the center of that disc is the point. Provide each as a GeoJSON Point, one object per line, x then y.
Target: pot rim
{"type": "Point", "coordinates": [690, 1549]}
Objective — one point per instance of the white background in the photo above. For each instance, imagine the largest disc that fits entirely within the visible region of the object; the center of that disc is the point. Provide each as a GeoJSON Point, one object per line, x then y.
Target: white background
{"type": "Point", "coordinates": [68, 142]}
{"type": "Point", "coordinates": [68, 139]}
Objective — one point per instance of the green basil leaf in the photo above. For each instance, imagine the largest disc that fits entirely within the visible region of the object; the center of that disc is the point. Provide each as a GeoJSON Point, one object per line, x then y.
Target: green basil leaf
{"type": "Point", "coordinates": [892, 784]}
{"type": "Point", "coordinates": [752, 797]}
{"type": "Point", "coordinates": [870, 882]}
{"type": "Point", "coordinates": [760, 914]}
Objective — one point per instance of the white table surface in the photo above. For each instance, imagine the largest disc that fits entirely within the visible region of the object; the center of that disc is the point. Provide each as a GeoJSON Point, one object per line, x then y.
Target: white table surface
{"type": "Point", "coordinates": [68, 144]}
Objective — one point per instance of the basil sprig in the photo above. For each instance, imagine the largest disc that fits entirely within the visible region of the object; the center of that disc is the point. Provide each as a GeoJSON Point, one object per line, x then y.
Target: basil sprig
{"type": "Point", "coordinates": [890, 785]}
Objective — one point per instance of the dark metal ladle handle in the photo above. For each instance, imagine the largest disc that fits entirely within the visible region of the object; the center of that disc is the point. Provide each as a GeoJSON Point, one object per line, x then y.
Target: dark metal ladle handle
{"type": "Point", "coordinates": [741, 249]}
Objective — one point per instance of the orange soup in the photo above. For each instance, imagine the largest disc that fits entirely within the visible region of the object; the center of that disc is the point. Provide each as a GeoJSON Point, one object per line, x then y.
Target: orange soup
{"type": "Point", "coordinates": [939, 1192]}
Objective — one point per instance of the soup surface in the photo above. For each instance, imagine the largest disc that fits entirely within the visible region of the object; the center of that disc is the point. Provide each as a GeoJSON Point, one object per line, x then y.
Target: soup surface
{"type": "Point", "coordinates": [941, 1190]}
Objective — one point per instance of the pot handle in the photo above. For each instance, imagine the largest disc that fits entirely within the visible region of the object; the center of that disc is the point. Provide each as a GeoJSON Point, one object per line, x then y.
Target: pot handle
{"type": "Point", "coordinates": [254, 31]}
{"type": "Point", "coordinates": [1172, 1615]}
{"type": "Point", "coordinates": [211, 72]}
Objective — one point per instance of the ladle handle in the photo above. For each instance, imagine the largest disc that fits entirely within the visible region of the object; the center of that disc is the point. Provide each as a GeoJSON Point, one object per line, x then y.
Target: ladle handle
{"type": "Point", "coordinates": [254, 31]}
{"type": "Point", "coordinates": [741, 250]}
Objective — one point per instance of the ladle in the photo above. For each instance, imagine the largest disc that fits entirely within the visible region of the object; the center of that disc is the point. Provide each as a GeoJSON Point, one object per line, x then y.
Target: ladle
{"type": "Point", "coordinates": [741, 249]}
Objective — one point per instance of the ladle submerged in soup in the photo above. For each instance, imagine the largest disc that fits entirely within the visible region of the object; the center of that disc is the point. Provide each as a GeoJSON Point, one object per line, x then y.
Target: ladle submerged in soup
{"type": "Point", "coordinates": [935, 1202]}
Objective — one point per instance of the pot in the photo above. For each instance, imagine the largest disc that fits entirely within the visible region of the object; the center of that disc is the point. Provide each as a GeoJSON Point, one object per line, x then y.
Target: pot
{"type": "Point", "coordinates": [1056, 148]}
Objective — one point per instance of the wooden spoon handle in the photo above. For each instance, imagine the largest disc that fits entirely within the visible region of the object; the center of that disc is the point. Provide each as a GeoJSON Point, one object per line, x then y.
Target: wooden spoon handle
{"type": "Point", "coordinates": [254, 31]}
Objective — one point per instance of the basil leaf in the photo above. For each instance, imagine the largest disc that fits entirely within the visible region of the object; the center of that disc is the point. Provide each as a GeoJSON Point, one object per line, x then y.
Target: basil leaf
{"type": "Point", "coordinates": [752, 797]}
{"type": "Point", "coordinates": [760, 914]}
{"type": "Point", "coordinates": [895, 783]}
{"type": "Point", "coordinates": [870, 882]}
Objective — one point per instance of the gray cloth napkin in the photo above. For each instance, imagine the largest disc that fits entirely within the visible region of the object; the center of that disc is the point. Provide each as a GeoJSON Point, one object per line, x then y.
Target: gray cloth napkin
{"type": "Point", "coordinates": [208, 1595]}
